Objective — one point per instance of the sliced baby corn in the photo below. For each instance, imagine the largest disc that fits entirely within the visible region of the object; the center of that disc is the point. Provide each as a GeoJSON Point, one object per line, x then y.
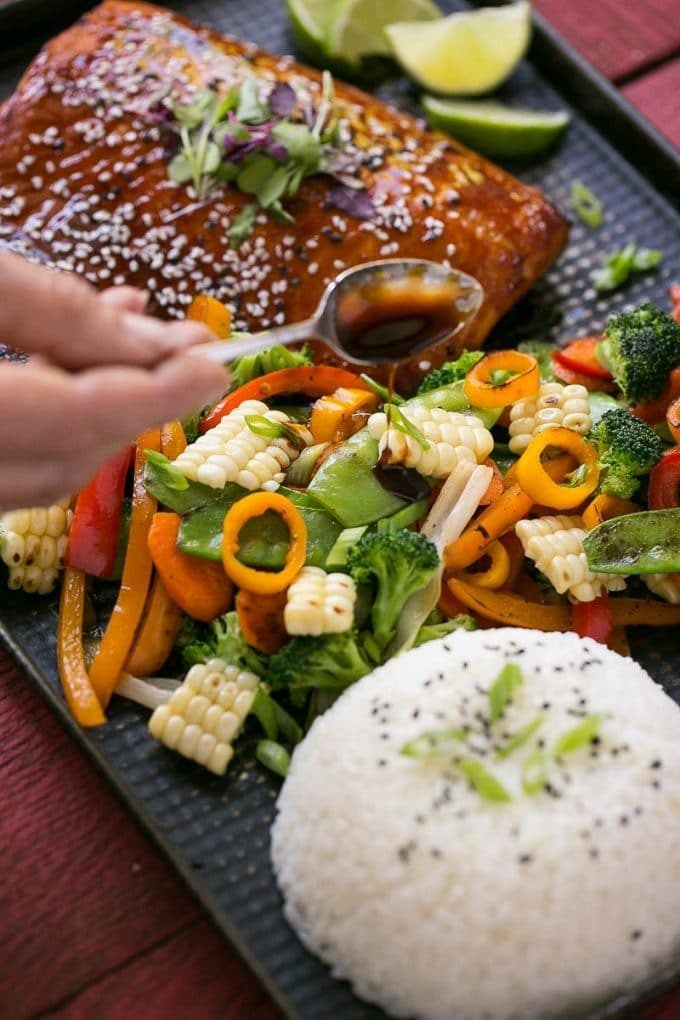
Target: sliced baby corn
{"type": "Point", "coordinates": [320, 603]}
{"type": "Point", "coordinates": [555, 544]}
{"type": "Point", "coordinates": [554, 405]}
{"type": "Point", "coordinates": [33, 545]}
{"type": "Point", "coordinates": [205, 715]}
{"type": "Point", "coordinates": [450, 438]}
{"type": "Point", "coordinates": [232, 452]}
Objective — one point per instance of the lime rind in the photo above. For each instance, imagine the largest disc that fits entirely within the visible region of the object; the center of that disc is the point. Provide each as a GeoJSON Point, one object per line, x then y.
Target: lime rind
{"type": "Point", "coordinates": [356, 29]}
{"type": "Point", "coordinates": [495, 129]}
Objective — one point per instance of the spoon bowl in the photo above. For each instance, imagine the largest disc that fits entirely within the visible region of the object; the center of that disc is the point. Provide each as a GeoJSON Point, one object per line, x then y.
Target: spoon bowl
{"type": "Point", "coordinates": [375, 313]}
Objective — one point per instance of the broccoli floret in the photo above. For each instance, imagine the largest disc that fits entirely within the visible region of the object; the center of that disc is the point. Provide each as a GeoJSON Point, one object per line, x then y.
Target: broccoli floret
{"type": "Point", "coordinates": [431, 631]}
{"type": "Point", "coordinates": [330, 662]}
{"type": "Point", "coordinates": [395, 564]}
{"type": "Point", "coordinates": [195, 642]}
{"type": "Point", "coordinates": [628, 449]}
{"type": "Point", "coordinates": [640, 349]}
{"type": "Point", "coordinates": [221, 639]}
{"type": "Point", "coordinates": [450, 371]}
{"type": "Point", "coordinates": [251, 366]}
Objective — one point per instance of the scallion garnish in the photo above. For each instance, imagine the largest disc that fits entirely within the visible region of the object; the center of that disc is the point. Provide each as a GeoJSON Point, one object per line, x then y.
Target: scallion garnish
{"type": "Point", "coordinates": [579, 736]}
{"type": "Point", "coordinates": [398, 420]}
{"type": "Point", "coordinates": [268, 429]}
{"type": "Point", "coordinates": [484, 782]}
{"type": "Point", "coordinates": [520, 738]}
{"type": "Point", "coordinates": [618, 266]}
{"type": "Point", "coordinates": [502, 689]}
{"type": "Point", "coordinates": [535, 772]}
{"type": "Point", "coordinates": [435, 744]}
{"type": "Point", "coordinates": [586, 205]}
{"type": "Point", "coordinates": [382, 391]}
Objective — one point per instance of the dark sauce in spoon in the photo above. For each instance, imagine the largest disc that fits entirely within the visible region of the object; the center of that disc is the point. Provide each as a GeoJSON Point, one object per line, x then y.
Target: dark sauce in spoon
{"type": "Point", "coordinates": [392, 319]}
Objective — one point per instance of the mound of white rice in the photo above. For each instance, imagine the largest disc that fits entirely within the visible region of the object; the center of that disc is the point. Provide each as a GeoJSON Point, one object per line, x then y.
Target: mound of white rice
{"type": "Point", "coordinates": [436, 902]}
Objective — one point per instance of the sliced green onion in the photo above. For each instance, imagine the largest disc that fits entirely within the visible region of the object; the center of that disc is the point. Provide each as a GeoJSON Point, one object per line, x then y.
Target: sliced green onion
{"type": "Point", "coordinates": [404, 517]}
{"type": "Point", "coordinates": [382, 391]}
{"type": "Point", "coordinates": [261, 426]}
{"type": "Point", "coordinates": [399, 421]}
{"type": "Point", "coordinates": [520, 738]}
{"type": "Point", "coordinates": [265, 713]}
{"type": "Point", "coordinates": [484, 782]}
{"type": "Point", "coordinates": [172, 476]}
{"type": "Point", "coordinates": [435, 745]}
{"type": "Point", "coordinates": [579, 736]}
{"type": "Point", "coordinates": [535, 772]}
{"type": "Point", "coordinates": [586, 205]}
{"type": "Point", "coordinates": [273, 756]}
{"type": "Point", "coordinates": [345, 541]}
{"type": "Point", "coordinates": [502, 689]}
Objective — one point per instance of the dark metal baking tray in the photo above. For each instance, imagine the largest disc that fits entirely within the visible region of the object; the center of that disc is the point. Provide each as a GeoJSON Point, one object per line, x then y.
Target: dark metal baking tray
{"type": "Point", "coordinates": [216, 832]}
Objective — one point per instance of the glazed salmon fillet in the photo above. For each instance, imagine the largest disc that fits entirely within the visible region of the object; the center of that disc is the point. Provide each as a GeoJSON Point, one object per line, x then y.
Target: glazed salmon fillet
{"type": "Point", "coordinates": [84, 183]}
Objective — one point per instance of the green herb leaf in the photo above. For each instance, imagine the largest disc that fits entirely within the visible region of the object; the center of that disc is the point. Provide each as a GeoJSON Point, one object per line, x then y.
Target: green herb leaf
{"type": "Point", "coordinates": [250, 110]}
{"type": "Point", "coordinates": [256, 171]}
{"type": "Point", "coordinates": [435, 745]}
{"type": "Point", "coordinates": [191, 115]}
{"type": "Point", "coordinates": [303, 148]}
{"type": "Point", "coordinates": [535, 772]}
{"type": "Point", "coordinates": [280, 214]}
{"type": "Point", "coordinates": [484, 782]}
{"type": "Point", "coordinates": [180, 170]}
{"type": "Point", "coordinates": [397, 420]}
{"type": "Point", "coordinates": [579, 736]}
{"type": "Point", "coordinates": [274, 188]}
{"type": "Point", "coordinates": [502, 689]}
{"type": "Point", "coordinates": [520, 738]}
{"type": "Point", "coordinates": [211, 158]}
{"type": "Point", "coordinates": [242, 224]}
{"type": "Point", "coordinates": [586, 205]}
{"type": "Point", "coordinates": [169, 474]}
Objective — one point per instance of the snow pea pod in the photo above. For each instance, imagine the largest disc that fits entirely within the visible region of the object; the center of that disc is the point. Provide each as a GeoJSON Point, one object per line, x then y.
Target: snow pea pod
{"type": "Point", "coordinates": [644, 543]}
{"type": "Point", "coordinates": [346, 486]}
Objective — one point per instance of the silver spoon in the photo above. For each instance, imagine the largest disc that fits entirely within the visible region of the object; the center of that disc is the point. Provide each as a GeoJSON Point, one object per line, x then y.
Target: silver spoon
{"type": "Point", "coordinates": [383, 311]}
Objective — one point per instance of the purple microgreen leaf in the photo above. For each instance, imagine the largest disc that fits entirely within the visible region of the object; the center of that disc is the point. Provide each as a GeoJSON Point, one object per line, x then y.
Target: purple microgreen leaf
{"type": "Point", "coordinates": [355, 203]}
{"type": "Point", "coordinates": [282, 100]}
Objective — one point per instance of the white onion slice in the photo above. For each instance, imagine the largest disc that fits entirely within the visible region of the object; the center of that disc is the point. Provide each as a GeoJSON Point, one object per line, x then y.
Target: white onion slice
{"type": "Point", "coordinates": [150, 692]}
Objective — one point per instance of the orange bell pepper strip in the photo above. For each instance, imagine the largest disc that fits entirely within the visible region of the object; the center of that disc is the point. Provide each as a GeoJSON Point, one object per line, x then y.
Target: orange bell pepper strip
{"type": "Point", "coordinates": [673, 419]}
{"type": "Point", "coordinates": [337, 416]}
{"type": "Point", "coordinates": [603, 508]}
{"type": "Point", "coordinates": [480, 389]}
{"type": "Point", "coordinates": [200, 587]}
{"type": "Point", "coordinates": [263, 582]}
{"type": "Point", "coordinates": [215, 315]}
{"type": "Point", "coordinates": [535, 480]}
{"type": "Point", "coordinates": [78, 690]}
{"type": "Point", "coordinates": [618, 641]}
{"type": "Point", "coordinates": [134, 586]}
{"type": "Point", "coordinates": [515, 551]}
{"type": "Point", "coordinates": [510, 610]}
{"type": "Point", "coordinates": [644, 613]}
{"type": "Point", "coordinates": [261, 620]}
{"type": "Point", "coordinates": [162, 616]}
{"type": "Point", "coordinates": [510, 507]}
{"type": "Point", "coordinates": [311, 380]}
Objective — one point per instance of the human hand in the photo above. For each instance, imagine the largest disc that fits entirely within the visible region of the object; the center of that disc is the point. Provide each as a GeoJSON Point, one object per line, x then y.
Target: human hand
{"type": "Point", "coordinates": [101, 373]}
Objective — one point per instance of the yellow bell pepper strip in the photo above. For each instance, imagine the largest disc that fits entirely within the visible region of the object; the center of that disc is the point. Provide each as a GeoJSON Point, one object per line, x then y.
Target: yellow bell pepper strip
{"type": "Point", "coordinates": [162, 616]}
{"type": "Point", "coordinates": [337, 416]}
{"type": "Point", "coordinates": [134, 586]}
{"type": "Point", "coordinates": [496, 574]}
{"type": "Point", "coordinates": [603, 508]}
{"type": "Point", "coordinates": [215, 315]}
{"type": "Point", "coordinates": [480, 389]}
{"type": "Point", "coordinates": [510, 507]}
{"type": "Point", "coordinates": [79, 692]}
{"type": "Point", "coordinates": [644, 613]}
{"type": "Point", "coordinates": [532, 474]}
{"type": "Point", "coordinates": [263, 582]}
{"type": "Point", "coordinates": [510, 610]}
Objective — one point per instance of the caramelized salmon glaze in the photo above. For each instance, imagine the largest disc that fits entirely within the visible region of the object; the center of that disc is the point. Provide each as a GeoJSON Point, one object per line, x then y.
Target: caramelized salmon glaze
{"type": "Point", "coordinates": [84, 183]}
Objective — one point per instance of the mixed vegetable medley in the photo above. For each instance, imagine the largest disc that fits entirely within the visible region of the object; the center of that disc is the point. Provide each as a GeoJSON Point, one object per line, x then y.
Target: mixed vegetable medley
{"type": "Point", "coordinates": [278, 546]}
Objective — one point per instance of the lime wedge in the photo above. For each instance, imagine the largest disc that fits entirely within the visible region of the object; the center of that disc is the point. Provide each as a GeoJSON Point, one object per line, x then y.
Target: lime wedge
{"type": "Point", "coordinates": [466, 54]}
{"type": "Point", "coordinates": [356, 28]}
{"type": "Point", "coordinates": [308, 20]}
{"type": "Point", "coordinates": [494, 129]}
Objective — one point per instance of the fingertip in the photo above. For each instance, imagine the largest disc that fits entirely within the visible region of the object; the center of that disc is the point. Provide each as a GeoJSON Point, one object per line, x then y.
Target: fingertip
{"type": "Point", "coordinates": [125, 298]}
{"type": "Point", "coordinates": [189, 334]}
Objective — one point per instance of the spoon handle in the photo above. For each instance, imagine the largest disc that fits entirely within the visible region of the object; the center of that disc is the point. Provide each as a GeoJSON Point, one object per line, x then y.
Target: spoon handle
{"type": "Point", "coordinates": [229, 350]}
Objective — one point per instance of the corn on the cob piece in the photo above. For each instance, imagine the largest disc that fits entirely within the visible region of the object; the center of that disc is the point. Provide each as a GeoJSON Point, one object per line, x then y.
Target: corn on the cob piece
{"type": "Point", "coordinates": [33, 545]}
{"type": "Point", "coordinates": [320, 603]}
{"type": "Point", "coordinates": [554, 405]}
{"type": "Point", "coordinates": [205, 715]}
{"type": "Point", "coordinates": [231, 452]}
{"type": "Point", "coordinates": [555, 544]}
{"type": "Point", "coordinates": [452, 438]}
{"type": "Point", "coordinates": [665, 586]}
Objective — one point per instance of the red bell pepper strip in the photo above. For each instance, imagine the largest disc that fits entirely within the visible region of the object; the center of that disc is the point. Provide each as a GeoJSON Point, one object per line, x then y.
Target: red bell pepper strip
{"type": "Point", "coordinates": [664, 481]}
{"type": "Point", "coordinates": [95, 528]}
{"type": "Point", "coordinates": [591, 382]}
{"type": "Point", "coordinates": [311, 380]}
{"type": "Point", "coordinates": [674, 291]}
{"type": "Point", "coordinates": [580, 356]}
{"type": "Point", "coordinates": [594, 619]}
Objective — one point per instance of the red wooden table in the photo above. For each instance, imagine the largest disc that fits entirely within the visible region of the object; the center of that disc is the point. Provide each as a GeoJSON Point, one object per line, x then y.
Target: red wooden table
{"type": "Point", "coordinates": [93, 922]}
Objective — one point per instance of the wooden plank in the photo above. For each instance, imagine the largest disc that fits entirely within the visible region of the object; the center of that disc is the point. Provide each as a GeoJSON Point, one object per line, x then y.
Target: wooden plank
{"type": "Point", "coordinates": [657, 97]}
{"type": "Point", "coordinates": [190, 975]}
{"type": "Point", "coordinates": [619, 38]}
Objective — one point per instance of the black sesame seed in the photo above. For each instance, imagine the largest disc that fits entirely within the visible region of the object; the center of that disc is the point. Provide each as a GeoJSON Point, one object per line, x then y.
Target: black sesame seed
{"type": "Point", "coordinates": [525, 858]}
{"type": "Point", "coordinates": [635, 935]}
{"type": "Point", "coordinates": [656, 764]}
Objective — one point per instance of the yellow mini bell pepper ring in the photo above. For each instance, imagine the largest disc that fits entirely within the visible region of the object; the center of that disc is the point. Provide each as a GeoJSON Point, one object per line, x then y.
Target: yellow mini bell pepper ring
{"type": "Point", "coordinates": [533, 478]}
